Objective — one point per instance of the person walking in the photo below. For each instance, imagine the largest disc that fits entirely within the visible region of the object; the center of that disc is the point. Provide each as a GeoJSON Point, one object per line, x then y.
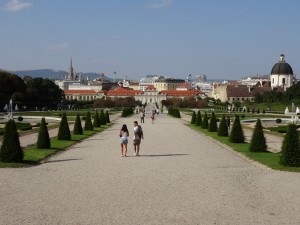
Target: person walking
{"type": "Point", "coordinates": [142, 115]}
{"type": "Point", "coordinates": [138, 135]}
{"type": "Point", "coordinates": [153, 117]}
{"type": "Point", "coordinates": [124, 134]}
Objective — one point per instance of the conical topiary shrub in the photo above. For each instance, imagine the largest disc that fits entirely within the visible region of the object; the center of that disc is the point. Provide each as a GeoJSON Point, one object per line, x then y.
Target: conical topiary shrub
{"type": "Point", "coordinates": [198, 118]}
{"type": "Point", "coordinates": [43, 141]}
{"type": "Point", "coordinates": [223, 129]}
{"type": "Point", "coordinates": [77, 126]}
{"type": "Point", "coordinates": [11, 150]}
{"type": "Point", "coordinates": [258, 140]}
{"type": "Point", "coordinates": [204, 124]}
{"type": "Point", "coordinates": [102, 118]}
{"type": "Point", "coordinates": [107, 116]}
{"type": "Point", "coordinates": [237, 133]}
{"type": "Point", "coordinates": [213, 127]}
{"type": "Point", "coordinates": [193, 120]}
{"type": "Point", "coordinates": [64, 130]}
{"type": "Point", "coordinates": [88, 122]}
{"type": "Point", "coordinates": [96, 122]}
{"type": "Point", "coordinates": [290, 149]}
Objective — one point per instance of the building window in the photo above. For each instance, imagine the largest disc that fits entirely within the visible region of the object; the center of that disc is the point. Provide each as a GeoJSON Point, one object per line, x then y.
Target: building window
{"type": "Point", "coordinates": [283, 80]}
{"type": "Point", "coordinates": [272, 80]}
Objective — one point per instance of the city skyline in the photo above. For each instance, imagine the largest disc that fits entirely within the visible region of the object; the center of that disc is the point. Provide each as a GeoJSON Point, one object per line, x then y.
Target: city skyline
{"type": "Point", "coordinates": [221, 39]}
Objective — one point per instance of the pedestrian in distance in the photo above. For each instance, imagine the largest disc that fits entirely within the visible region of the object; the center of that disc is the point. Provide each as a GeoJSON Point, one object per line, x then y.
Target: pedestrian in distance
{"type": "Point", "coordinates": [124, 134]}
{"type": "Point", "coordinates": [142, 116]}
{"type": "Point", "coordinates": [228, 122]}
{"type": "Point", "coordinates": [138, 135]}
{"type": "Point", "coordinates": [153, 117]}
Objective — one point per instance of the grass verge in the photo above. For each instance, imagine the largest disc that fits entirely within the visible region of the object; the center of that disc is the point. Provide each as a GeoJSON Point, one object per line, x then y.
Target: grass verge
{"type": "Point", "coordinates": [266, 158]}
{"type": "Point", "coordinates": [34, 156]}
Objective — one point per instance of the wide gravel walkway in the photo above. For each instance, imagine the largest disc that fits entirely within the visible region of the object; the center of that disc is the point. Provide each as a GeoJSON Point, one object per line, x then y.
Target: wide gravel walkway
{"type": "Point", "coordinates": [182, 177]}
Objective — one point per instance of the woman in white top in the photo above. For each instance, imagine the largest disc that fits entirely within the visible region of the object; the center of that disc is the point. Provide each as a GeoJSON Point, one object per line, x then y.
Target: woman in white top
{"type": "Point", "coordinates": [124, 134]}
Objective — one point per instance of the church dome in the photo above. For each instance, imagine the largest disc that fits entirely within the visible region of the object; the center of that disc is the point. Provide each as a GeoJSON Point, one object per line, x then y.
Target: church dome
{"type": "Point", "coordinates": [282, 68]}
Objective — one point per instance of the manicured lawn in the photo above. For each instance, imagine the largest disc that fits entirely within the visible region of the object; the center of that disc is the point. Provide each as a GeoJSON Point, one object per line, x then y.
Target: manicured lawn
{"type": "Point", "coordinates": [266, 158]}
{"type": "Point", "coordinates": [33, 155]}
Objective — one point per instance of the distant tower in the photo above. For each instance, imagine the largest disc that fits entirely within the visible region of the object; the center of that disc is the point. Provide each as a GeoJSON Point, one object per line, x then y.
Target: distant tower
{"type": "Point", "coordinates": [282, 74]}
{"type": "Point", "coordinates": [71, 74]}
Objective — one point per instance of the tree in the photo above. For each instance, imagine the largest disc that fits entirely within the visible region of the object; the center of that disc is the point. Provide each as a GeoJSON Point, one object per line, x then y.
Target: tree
{"type": "Point", "coordinates": [237, 133]}
{"type": "Point", "coordinates": [88, 122]}
{"type": "Point", "coordinates": [198, 118]}
{"type": "Point", "coordinates": [11, 150]}
{"type": "Point", "coordinates": [204, 124]}
{"type": "Point", "coordinates": [223, 128]}
{"type": "Point", "coordinates": [43, 141]}
{"type": "Point", "coordinates": [96, 122]}
{"type": "Point", "coordinates": [290, 149]}
{"type": "Point", "coordinates": [107, 116]}
{"type": "Point", "coordinates": [64, 130]}
{"type": "Point", "coordinates": [213, 127]}
{"type": "Point", "coordinates": [77, 126]}
{"type": "Point", "coordinates": [193, 120]}
{"type": "Point", "coordinates": [258, 140]}
{"type": "Point", "coordinates": [102, 118]}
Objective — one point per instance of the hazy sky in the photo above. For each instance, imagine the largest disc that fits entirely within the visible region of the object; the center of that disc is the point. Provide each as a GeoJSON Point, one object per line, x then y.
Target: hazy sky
{"type": "Point", "coordinates": [224, 39]}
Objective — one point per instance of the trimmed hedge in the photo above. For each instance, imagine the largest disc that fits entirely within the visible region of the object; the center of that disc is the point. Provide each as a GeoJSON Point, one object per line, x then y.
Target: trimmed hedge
{"type": "Point", "coordinates": [258, 140]}
{"type": "Point", "coordinates": [64, 130]}
{"type": "Point", "coordinates": [43, 141]}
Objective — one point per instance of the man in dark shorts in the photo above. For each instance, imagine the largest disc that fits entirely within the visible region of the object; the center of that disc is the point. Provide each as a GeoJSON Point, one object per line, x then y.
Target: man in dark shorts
{"type": "Point", "coordinates": [137, 136]}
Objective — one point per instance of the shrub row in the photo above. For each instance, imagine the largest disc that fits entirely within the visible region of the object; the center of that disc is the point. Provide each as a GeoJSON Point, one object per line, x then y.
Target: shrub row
{"type": "Point", "coordinates": [174, 112]}
{"type": "Point", "coordinates": [127, 111]}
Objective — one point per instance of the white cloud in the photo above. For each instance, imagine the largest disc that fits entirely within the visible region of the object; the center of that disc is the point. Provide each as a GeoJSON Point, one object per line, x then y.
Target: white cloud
{"type": "Point", "coordinates": [59, 46]}
{"type": "Point", "coordinates": [16, 5]}
{"type": "Point", "coordinates": [160, 4]}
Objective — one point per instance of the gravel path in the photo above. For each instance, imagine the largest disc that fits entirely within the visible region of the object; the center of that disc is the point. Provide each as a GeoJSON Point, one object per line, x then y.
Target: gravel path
{"type": "Point", "coordinates": [181, 178]}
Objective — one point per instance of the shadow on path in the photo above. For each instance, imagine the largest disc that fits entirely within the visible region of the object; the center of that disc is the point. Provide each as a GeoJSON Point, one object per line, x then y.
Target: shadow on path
{"type": "Point", "coordinates": [163, 155]}
{"type": "Point", "coordinates": [62, 160]}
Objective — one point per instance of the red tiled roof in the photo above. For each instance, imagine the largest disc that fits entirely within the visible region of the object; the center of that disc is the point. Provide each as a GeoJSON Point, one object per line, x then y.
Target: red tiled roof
{"type": "Point", "coordinates": [86, 92]}
{"type": "Point", "coordinates": [120, 91]}
{"type": "Point", "coordinates": [151, 88]}
{"type": "Point", "coordinates": [181, 93]}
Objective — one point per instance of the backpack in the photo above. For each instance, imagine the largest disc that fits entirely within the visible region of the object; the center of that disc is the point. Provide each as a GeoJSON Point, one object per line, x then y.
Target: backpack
{"type": "Point", "coordinates": [139, 131]}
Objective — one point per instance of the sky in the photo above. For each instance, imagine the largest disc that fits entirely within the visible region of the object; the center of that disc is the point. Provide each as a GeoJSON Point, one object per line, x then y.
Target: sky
{"type": "Point", "coordinates": [223, 39]}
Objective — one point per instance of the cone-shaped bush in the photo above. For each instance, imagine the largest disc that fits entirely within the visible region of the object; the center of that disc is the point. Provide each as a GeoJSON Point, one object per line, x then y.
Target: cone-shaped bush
{"type": "Point", "coordinates": [96, 122]}
{"type": "Point", "coordinates": [88, 122]}
{"type": "Point", "coordinates": [11, 150]}
{"type": "Point", "coordinates": [43, 141]}
{"type": "Point", "coordinates": [237, 133]}
{"type": "Point", "coordinates": [223, 129]}
{"type": "Point", "coordinates": [204, 124]}
{"type": "Point", "coordinates": [64, 130]}
{"type": "Point", "coordinates": [198, 119]}
{"type": "Point", "coordinates": [290, 149]}
{"type": "Point", "coordinates": [78, 126]}
{"type": "Point", "coordinates": [193, 120]}
{"type": "Point", "coordinates": [213, 127]}
{"type": "Point", "coordinates": [258, 140]}
{"type": "Point", "coordinates": [102, 118]}
{"type": "Point", "coordinates": [107, 117]}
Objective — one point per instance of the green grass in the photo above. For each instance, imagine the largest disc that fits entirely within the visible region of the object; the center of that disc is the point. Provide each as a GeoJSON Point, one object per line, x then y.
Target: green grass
{"type": "Point", "coordinates": [266, 158]}
{"type": "Point", "coordinates": [34, 156]}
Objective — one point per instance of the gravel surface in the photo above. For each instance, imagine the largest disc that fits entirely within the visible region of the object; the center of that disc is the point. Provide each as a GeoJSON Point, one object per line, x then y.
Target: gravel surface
{"type": "Point", "coordinates": [181, 177]}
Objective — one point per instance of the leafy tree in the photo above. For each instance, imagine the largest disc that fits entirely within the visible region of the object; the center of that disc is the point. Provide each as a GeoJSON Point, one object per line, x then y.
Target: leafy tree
{"type": "Point", "coordinates": [213, 127]}
{"type": "Point", "coordinates": [198, 118]}
{"type": "Point", "coordinates": [11, 150]}
{"type": "Point", "coordinates": [43, 141]}
{"type": "Point", "coordinates": [64, 130]}
{"type": "Point", "coordinates": [96, 122]}
{"type": "Point", "coordinates": [77, 126]}
{"type": "Point", "coordinates": [204, 124]}
{"type": "Point", "coordinates": [258, 140]}
{"type": "Point", "coordinates": [193, 120]}
{"type": "Point", "coordinates": [223, 128]}
{"type": "Point", "coordinates": [290, 149]}
{"type": "Point", "coordinates": [237, 133]}
{"type": "Point", "coordinates": [107, 117]}
{"type": "Point", "coordinates": [88, 122]}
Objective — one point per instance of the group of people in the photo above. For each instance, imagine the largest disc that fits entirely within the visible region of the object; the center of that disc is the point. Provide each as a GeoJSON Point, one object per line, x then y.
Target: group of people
{"type": "Point", "coordinates": [137, 136]}
{"type": "Point", "coordinates": [153, 113]}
